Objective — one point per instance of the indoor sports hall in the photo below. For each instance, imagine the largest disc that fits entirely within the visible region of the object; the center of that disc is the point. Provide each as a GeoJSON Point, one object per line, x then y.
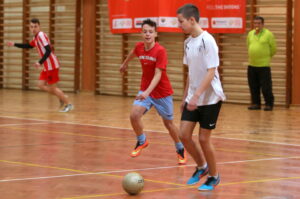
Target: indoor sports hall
{"type": "Point", "coordinates": [84, 152]}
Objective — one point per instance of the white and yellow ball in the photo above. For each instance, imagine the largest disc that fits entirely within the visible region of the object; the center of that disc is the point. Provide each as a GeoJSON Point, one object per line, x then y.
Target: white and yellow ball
{"type": "Point", "coordinates": [133, 183]}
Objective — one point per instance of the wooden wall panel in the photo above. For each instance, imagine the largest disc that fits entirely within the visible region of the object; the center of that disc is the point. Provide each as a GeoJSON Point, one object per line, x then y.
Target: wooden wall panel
{"type": "Point", "coordinates": [235, 57]}
{"type": "Point", "coordinates": [295, 79]}
{"type": "Point", "coordinates": [233, 53]}
{"type": "Point", "coordinates": [35, 9]}
{"type": "Point", "coordinates": [113, 47]}
{"type": "Point", "coordinates": [17, 69]}
{"type": "Point", "coordinates": [109, 54]}
{"type": "Point", "coordinates": [63, 38]}
{"type": "Point", "coordinates": [134, 68]}
{"type": "Point", "coordinates": [173, 42]}
{"type": "Point", "coordinates": [11, 62]}
{"type": "Point", "coordinates": [58, 20]}
{"type": "Point", "coordinates": [62, 34]}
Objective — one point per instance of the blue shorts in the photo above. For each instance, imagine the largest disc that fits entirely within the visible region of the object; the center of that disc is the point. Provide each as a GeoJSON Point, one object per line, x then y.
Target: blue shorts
{"type": "Point", "coordinates": [164, 106]}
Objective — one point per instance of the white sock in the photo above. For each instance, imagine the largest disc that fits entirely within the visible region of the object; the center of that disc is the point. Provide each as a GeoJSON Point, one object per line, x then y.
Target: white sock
{"type": "Point", "coordinates": [202, 167]}
{"type": "Point", "coordinates": [214, 176]}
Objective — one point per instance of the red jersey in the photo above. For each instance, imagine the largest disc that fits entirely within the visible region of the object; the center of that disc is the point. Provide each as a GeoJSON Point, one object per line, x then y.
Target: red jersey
{"type": "Point", "coordinates": [154, 58]}
{"type": "Point", "coordinates": [39, 41]}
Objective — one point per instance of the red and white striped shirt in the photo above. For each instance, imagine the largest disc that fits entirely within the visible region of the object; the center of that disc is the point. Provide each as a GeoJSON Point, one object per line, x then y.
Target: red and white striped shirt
{"type": "Point", "coordinates": [39, 41]}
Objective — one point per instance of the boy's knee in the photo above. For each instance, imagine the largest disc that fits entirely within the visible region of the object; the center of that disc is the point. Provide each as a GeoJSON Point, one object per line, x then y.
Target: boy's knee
{"type": "Point", "coordinates": [51, 89]}
{"type": "Point", "coordinates": [184, 137]}
{"type": "Point", "coordinates": [135, 115]}
{"type": "Point", "coordinates": [203, 139]}
{"type": "Point", "coordinates": [168, 124]}
{"type": "Point", "coordinates": [41, 86]}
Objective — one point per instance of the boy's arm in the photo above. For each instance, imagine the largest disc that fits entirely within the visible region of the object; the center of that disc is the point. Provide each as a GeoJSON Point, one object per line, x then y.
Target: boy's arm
{"type": "Point", "coordinates": [19, 45]}
{"type": "Point", "coordinates": [153, 84]}
{"type": "Point", "coordinates": [192, 105]}
{"type": "Point", "coordinates": [211, 58]}
{"type": "Point", "coordinates": [185, 93]}
{"type": "Point", "coordinates": [46, 55]}
{"type": "Point", "coordinates": [124, 65]}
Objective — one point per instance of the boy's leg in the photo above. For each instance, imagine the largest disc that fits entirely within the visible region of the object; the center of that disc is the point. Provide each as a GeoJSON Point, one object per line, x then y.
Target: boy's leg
{"type": "Point", "coordinates": [186, 136]}
{"type": "Point", "coordinates": [174, 133]}
{"type": "Point", "coordinates": [139, 108]}
{"type": "Point", "coordinates": [47, 82]}
{"type": "Point", "coordinates": [164, 106]}
{"type": "Point", "coordinates": [136, 119]}
{"type": "Point", "coordinates": [213, 178]}
{"type": "Point", "coordinates": [53, 89]}
{"type": "Point", "coordinates": [42, 84]}
{"type": "Point", "coordinates": [208, 150]}
{"type": "Point", "coordinates": [173, 130]}
{"type": "Point", "coordinates": [210, 115]}
{"type": "Point", "coordinates": [62, 98]}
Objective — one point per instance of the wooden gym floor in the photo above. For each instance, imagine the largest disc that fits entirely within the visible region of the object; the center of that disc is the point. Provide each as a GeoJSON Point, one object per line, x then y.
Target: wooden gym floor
{"type": "Point", "coordinates": [45, 154]}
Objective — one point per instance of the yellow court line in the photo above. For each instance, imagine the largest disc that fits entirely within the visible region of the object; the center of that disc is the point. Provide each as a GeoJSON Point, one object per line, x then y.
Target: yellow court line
{"type": "Point", "coordinates": [247, 152]}
{"type": "Point", "coordinates": [235, 151]}
{"type": "Point", "coordinates": [65, 133]}
{"type": "Point", "coordinates": [260, 181]}
{"type": "Point", "coordinates": [42, 166]}
{"type": "Point", "coordinates": [185, 187]}
{"type": "Point", "coordinates": [160, 143]}
{"type": "Point", "coordinates": [86, 172]}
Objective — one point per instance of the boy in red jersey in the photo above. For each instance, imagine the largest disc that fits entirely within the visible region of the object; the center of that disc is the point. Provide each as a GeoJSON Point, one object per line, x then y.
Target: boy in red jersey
{"type": "Point", "coordinates": [49, 75]}
{"type": "Point", "coordinates": [155, 90]}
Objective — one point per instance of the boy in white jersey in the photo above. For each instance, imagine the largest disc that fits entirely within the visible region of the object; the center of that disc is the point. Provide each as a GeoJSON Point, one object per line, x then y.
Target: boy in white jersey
{"type": "Point", "coordinates": [203, 95]}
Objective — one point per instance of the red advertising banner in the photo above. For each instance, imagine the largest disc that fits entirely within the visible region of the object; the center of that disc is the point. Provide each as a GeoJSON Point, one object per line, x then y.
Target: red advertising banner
{"type": "Point", "coordinates": [216, 16]}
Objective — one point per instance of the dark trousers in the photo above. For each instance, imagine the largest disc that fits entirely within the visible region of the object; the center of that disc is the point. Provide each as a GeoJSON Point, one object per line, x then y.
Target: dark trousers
{"type": "Point", "coordinates": [259, 78]}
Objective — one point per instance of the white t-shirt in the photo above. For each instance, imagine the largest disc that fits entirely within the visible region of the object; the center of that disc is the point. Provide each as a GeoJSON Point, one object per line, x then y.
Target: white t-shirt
{"type": "Point", "coordinates": [200, 54]}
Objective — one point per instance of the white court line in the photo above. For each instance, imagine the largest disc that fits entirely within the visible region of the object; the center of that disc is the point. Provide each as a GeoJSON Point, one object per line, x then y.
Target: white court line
{"type": "Point", "coordinates": [257, 141]}
{"type": "Point", "coordinates": [151, 131]}
{"type": "Point", "coordinates": [144, 169]}
{"type": "Point", "coordinates": [4, 125]}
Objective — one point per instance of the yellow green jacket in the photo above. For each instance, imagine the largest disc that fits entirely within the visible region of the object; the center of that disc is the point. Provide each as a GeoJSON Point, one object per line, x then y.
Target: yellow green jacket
{"type": "Point", "coordinates": [261, 47]}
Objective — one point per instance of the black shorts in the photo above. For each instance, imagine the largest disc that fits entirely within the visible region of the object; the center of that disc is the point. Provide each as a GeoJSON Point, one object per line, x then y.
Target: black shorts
{"type": "Point", "coordinates": [207, 115]}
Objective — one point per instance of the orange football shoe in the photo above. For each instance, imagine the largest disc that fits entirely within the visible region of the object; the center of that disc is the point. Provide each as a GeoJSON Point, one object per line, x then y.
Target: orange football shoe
{"type": "Point", "coordinates": [138, 148]}
{"type": "Point", "coordinates": [182, 158]}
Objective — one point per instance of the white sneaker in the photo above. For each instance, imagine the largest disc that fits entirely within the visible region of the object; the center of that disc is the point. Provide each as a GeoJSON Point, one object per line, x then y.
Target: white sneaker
{"type": "Point", "coordinates": [67, 108]}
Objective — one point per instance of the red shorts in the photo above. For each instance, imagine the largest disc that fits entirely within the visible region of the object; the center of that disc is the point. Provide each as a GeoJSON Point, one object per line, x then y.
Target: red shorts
{"type": "Point", "coordinates": [51, 76]}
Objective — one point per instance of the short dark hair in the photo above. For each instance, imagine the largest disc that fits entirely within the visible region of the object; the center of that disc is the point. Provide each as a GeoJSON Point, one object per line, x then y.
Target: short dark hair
{"type": "Point", "coordinates": [188, 11]}
{"type": "Point", "coordinates": [260, 18]}
{"type": "Point", "coordinates": [150, 23]}
{"type": "Point", "coordinates": [35, 20]}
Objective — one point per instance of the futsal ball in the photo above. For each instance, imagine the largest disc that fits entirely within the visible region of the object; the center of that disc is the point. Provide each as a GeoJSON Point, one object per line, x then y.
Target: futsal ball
{"type": "Point", "coordinates": [133, 183]}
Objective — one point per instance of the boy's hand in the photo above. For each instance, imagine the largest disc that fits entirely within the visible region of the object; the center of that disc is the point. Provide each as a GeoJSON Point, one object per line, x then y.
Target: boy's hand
{"type": "Point", "coordinates": [37, 65]}
{"type": "Point", "coordinates": [192, 105]}
{"type": "Point", "coordinates": [142, 96]}
{"type": "Point", "coordinates": [123, 68]}
{"type": "Point", "coordinates": [182, 105]}
{"type": "Point", "coordinates": [10, 43]}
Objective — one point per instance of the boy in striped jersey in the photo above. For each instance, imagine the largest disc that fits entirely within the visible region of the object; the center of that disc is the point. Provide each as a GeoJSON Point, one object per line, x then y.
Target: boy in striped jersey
{"type": "Point", "coordinates": [49, 75]}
